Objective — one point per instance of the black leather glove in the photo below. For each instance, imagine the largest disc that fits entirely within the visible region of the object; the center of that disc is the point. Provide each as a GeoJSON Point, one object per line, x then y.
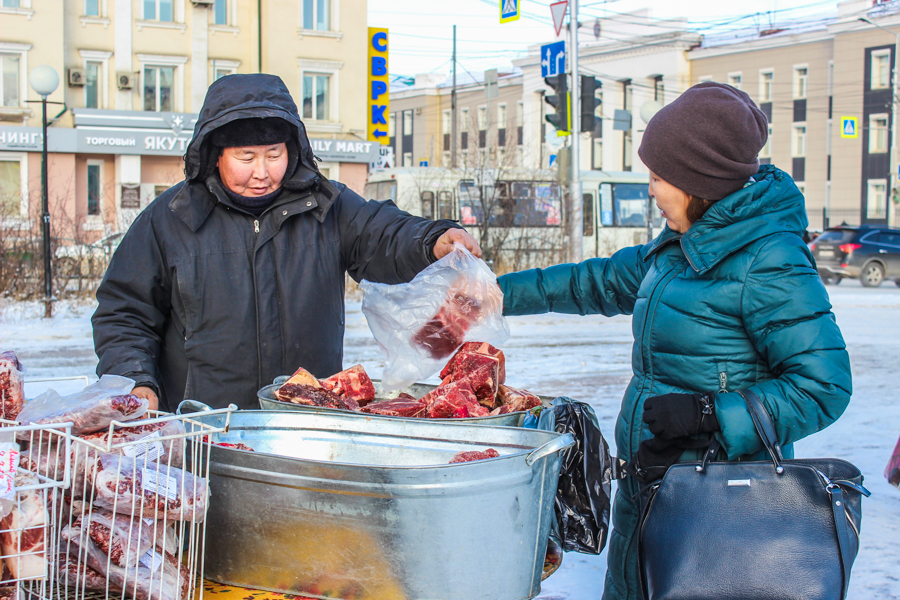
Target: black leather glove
{"type": "Point", "coordinates": [673, 416]}
{"type": "Point", "coordinates": [656, 455]}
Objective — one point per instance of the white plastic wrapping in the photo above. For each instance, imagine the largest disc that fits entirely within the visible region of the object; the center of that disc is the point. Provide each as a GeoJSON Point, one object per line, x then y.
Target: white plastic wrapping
{"type": "Point", "coordinates": [420, 324]}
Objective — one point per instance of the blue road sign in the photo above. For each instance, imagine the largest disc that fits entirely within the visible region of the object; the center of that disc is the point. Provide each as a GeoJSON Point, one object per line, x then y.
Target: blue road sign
{"type": "Point", "coordinates": [552, 160]}
{"type": "Point", "coordinates": [509, 10]}
{"type": "Point", "coordinates": [553, 59]}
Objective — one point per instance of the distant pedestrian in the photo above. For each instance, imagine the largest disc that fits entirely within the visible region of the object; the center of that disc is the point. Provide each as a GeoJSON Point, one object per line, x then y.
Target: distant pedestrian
{"type": "Point", "coordinates": [726, 298]}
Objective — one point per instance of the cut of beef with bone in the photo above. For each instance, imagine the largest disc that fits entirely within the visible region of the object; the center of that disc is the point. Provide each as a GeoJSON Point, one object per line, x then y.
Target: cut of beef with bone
{"type": "Point", "coordinates": [353, 383]}
{"type": "Point", "coordinates": [462, 360]}
{"type": "Point", "coordinates": [24, 529]}
{"type": "Point", "coordinates": [453, 401]}
{"type": "Point", "coordinates": [12, 395]}
{"type": "Point", "coordinates": [299, 393]}
{"type": "Point", "coordinates": [403, 405]}
{"type": "Point", "coordinates": [517, 400]}
{"type": "Point", "coordinates": [482, 366]}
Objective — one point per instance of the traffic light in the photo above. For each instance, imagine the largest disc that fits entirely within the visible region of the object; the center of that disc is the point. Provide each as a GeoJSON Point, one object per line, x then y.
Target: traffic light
{"type": "Point", "coordinates": [560, 101]}
{"type": "Point", "coordinates": [589, 102]}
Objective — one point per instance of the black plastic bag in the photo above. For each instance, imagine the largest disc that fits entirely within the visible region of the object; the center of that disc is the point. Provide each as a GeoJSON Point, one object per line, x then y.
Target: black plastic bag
{"type": "Point", "coordinates": [583, 492]}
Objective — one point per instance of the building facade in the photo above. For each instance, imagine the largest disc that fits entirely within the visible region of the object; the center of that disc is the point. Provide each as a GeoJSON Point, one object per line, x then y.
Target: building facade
{"type": "Point", "coordinates": [133, 75]}
{"type": "Point", "coordinates": [828, 91]}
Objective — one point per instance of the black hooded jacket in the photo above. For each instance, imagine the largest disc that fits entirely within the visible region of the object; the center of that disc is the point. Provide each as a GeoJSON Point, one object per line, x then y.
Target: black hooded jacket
{"type": "Point", "coordinates": [203, 300]}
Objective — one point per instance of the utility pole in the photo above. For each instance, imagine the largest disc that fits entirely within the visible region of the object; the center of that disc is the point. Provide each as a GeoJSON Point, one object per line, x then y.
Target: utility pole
{"type": "Point", "coordinates": [453, 118]}
{"type": "Point", "coordinates": [576, 213]}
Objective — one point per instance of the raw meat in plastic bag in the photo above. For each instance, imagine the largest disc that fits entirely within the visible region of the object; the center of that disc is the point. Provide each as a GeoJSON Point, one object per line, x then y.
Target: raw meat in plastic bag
{"type": "Point", "coordinates": [421, 323]}
{"type": "Point", "coordinates": [91, 409]}
{"type": "Point", "coordinates": [12, 386]}
{"type": "Point", "coordinates": [166, 452]}
{"type": "Point", "coordinates": [157, 576]}
{"type": "Point", "coordinates": [892, 471]}
{"type": "Point", "coordinates": [9, 461]}
{"type": "Point", "coordinates": [149, 490]}
{"type": "Point", "coordinates": [71, 573]}
{"type": "Point", "coordinates": [125, 539]}
{"type": "Point", "coordinates": [23, 536]}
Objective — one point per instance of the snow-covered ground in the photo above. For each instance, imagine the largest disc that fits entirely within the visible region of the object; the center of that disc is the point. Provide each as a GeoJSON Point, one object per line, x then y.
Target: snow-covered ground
{"type": "Point", "coordinates": [588, 358]}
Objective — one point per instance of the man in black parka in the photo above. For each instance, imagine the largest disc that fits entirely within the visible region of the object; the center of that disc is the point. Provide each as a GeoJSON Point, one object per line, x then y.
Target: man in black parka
{"type": "Point", "coordinates": [236, 275]}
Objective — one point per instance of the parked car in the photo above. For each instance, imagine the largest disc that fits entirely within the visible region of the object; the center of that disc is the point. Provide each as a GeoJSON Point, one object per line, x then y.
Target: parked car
{"type": "Point", "coordinates": [871, 254]}
{"type": "Point", "coordinates": [76, 258]}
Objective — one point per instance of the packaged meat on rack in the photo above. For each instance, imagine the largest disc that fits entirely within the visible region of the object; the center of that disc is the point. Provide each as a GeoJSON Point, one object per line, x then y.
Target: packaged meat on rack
{"type": "Point", "coordinates": [421, 323]}
{"type": "Point", "coordinates": [23, 532]}
{"type": "Point", "coordinates": [12, 386]}
{"type": "Point", "coordinates": [90, 410]}
{"type": "Point", "coordinates": [473, 385]}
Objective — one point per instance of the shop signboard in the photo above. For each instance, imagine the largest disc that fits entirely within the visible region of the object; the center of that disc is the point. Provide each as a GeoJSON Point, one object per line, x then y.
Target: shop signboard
{"type": "Point", "coordinates": [131, 196]}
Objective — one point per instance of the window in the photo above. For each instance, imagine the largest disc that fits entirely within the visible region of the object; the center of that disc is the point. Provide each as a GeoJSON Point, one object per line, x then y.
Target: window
{"type": "Point", "coordinates": [158, 10]}
{"type": "Point", "coordinates": [766, 80]}
{"type": "Point", "coordinates": [659, 90]}
{"type": "Point", "coordinates": [464, 120]}
{"type": "Point", "coordinates": [766, 151]}
{"type": "Point", "coordinates": [798, 143]}
{"type": "Point", "coordinates": [92, 8]}
{"type": "Point", "coordinates": [159, 92]}
{"type": "Point", "coordinates": [875, 200]}
{"type": "Point", "coordinates": [881, 69]}
{"type": "Point", "coordinates": [445, 204]}
{"type": "Point", "coordinates": [501, 116]}
{"type": "Point", "coordinates": [93, 188]}
{"type": "Point", "coordinates": [428, 205]}
{"type": "Point", "coordinates": [482, 118]}
{"type": "Point", "coordinates": [597, 154]}
{"type": "Point", "coordinates": [9, 84]}
{"type": "Point", "coordinates": [735, 80]}
{"type": "Point", "coordinates": [520, 114]}
{"type": "Point", "coordinates": [878, 133]}
{"type": "Point", "coordinates": [220, 12]}
{"type": "Point", "coordinates": [446, 124]}
{"type": "Point", "coordinates": [630, 202]}
{"type": "Point", "coordinates": [92, 71]}
{"type": "Point", "coordinates": [316, 97]}
{"type": "Point", "coordinates": [10, 3]}
{"type": "Point", "coordinates": [801, 74]}
{"type": "Point", "coordinates": [316, 14]}
{"type": "Point", "coordinates": [222, 68]}
{"type": "Point", "coordinates": [407, 122]}
{"type": "Point", "coordinates": [587, 203]}
{"type": "Point", "coordinates": [626, 151]}
{"type": "Point", "coordinates": [220, 73]}
{"type": "Point", "coordinates": [11, 187]}
{"type": "Point", "coordinates": [512, 204]}
{"type": "Point", "coordinates": [407, 159]}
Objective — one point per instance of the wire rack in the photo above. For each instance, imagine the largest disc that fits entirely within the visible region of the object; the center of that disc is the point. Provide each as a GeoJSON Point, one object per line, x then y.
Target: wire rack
{"type": "Point", "coordinates": [127, 517]}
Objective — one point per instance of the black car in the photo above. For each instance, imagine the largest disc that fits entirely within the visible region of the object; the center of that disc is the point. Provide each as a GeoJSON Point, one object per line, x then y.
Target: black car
{"type": "Point", "coordinates": [871, 254]}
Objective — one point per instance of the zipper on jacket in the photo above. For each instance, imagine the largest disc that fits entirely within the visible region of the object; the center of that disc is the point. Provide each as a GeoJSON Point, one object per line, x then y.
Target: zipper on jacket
{"type": "Point", "coordinates": [723, 376]}
{"type": "Point", "coordinates": [256, 225]}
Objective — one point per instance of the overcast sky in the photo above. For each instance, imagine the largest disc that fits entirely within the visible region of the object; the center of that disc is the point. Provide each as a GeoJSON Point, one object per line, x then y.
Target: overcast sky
{"type": "Point", "coordinates": [422, 30]}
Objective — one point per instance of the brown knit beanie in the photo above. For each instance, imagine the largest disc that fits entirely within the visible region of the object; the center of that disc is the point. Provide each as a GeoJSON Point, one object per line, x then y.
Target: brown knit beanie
{"type": "Point", "coordinates": [706, 142]}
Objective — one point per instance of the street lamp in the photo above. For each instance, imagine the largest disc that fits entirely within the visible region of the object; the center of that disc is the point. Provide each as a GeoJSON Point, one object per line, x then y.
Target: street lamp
{"type": "Point", "coordinates": [44, 80]}
{"type": "Point", "coordinates": [894, 100]}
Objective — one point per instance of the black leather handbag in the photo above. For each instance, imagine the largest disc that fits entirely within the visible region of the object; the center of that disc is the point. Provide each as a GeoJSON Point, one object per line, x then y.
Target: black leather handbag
{"type": "Point", "coordinates": [779, 530]}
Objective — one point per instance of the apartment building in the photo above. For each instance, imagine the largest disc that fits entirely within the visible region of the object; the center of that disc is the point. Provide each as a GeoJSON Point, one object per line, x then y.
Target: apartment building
{"type": "Point", "coordinates": [827, 89]}
{"type": "Point", "coordinates": [133, 75]}
{"type": "Point", "coordinates": [489, 130]}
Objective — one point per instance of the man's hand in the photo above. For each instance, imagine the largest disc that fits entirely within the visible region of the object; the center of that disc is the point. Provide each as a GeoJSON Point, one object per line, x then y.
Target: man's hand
{"type": "Point", "coordinates": [145, 392]}
{"type": "Point", "coordinates": [444, 244]}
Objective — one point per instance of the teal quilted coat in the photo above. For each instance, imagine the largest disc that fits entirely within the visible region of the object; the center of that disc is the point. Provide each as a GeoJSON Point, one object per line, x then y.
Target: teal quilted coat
{"type": "Point", "coordinates": [734, 303]}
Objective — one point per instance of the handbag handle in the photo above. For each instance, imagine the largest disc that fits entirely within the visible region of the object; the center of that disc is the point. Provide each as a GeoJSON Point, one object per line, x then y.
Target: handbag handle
{"type": "Point", "coordinates": [765, 427]}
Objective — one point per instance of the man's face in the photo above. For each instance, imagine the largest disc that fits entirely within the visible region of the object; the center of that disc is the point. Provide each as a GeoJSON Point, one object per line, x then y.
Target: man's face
{"type": "Point", "coordinates": [253, 170]}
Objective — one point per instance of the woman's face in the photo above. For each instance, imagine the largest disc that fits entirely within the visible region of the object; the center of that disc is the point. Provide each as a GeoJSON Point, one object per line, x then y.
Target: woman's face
{"type": "Point", "coordinates": [672, 202]}
{"type": "Point", "coordinates": [253, 170]}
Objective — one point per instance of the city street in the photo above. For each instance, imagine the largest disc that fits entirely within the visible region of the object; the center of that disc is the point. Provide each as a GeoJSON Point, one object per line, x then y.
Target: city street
{"type": "Point", "coordinates": [588, 358]}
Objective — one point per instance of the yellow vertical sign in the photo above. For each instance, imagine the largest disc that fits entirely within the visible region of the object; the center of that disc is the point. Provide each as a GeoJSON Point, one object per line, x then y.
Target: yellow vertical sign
{"type": "Point", "coordinates": [378, 93]}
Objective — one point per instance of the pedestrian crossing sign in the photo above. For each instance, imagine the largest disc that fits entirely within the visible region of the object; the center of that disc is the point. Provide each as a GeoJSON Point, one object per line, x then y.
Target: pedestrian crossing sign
{"type": "Point", "coordinates": [509, 10]}
{"type": "Point", "coordinates": [849, 128]}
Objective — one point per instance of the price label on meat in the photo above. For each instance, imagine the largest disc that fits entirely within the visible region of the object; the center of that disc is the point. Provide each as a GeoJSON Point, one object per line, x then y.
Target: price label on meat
{"type": "Point", "coordinates": [159, 483]}
{"type": "Point", "coordinates": [152, 560]}
{"type": "Point", "coordinates": [9, 458]}
{"type": "Point", "coordinates": [148, 449]}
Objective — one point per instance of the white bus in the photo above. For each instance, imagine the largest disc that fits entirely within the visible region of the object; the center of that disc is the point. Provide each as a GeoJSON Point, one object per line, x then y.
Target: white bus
{"type": "Point", "coordinates": [525, 208]}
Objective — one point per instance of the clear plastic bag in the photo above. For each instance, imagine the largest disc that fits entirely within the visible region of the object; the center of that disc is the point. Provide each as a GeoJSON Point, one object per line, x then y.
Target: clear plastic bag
{"type": "Point", "coordinates": [420, 324]}
{"type": "Point", "coordinates": [12, 386]}
{"type": "Point", "coordinates": [137, 487]}
{"type": "Point", "coordinates": [91, 409]}
{"type": "Point", "coordinates": [9, 461]}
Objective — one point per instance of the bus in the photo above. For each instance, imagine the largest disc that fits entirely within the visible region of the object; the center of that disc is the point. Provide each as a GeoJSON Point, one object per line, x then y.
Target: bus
{"type": "Point", "coordinates": [518, 215]}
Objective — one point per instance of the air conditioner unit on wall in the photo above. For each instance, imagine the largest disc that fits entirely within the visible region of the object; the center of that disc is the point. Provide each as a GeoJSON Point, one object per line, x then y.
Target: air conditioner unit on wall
{"type": "Point", "coordinates": [77, 77]}
{"type": "Point", "coordinates": [125, 81]}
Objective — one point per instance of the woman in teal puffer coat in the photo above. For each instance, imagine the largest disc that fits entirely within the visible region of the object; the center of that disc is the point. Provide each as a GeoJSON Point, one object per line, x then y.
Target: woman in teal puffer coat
{"type": "Point", "coordinates": [726, 298]}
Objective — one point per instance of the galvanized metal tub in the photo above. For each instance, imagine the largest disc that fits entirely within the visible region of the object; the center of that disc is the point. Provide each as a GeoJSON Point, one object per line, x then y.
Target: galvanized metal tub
{"type": "Point", "coordinates": [338, 506]}
{"type": "Point", "coordinates": [267, 401]}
